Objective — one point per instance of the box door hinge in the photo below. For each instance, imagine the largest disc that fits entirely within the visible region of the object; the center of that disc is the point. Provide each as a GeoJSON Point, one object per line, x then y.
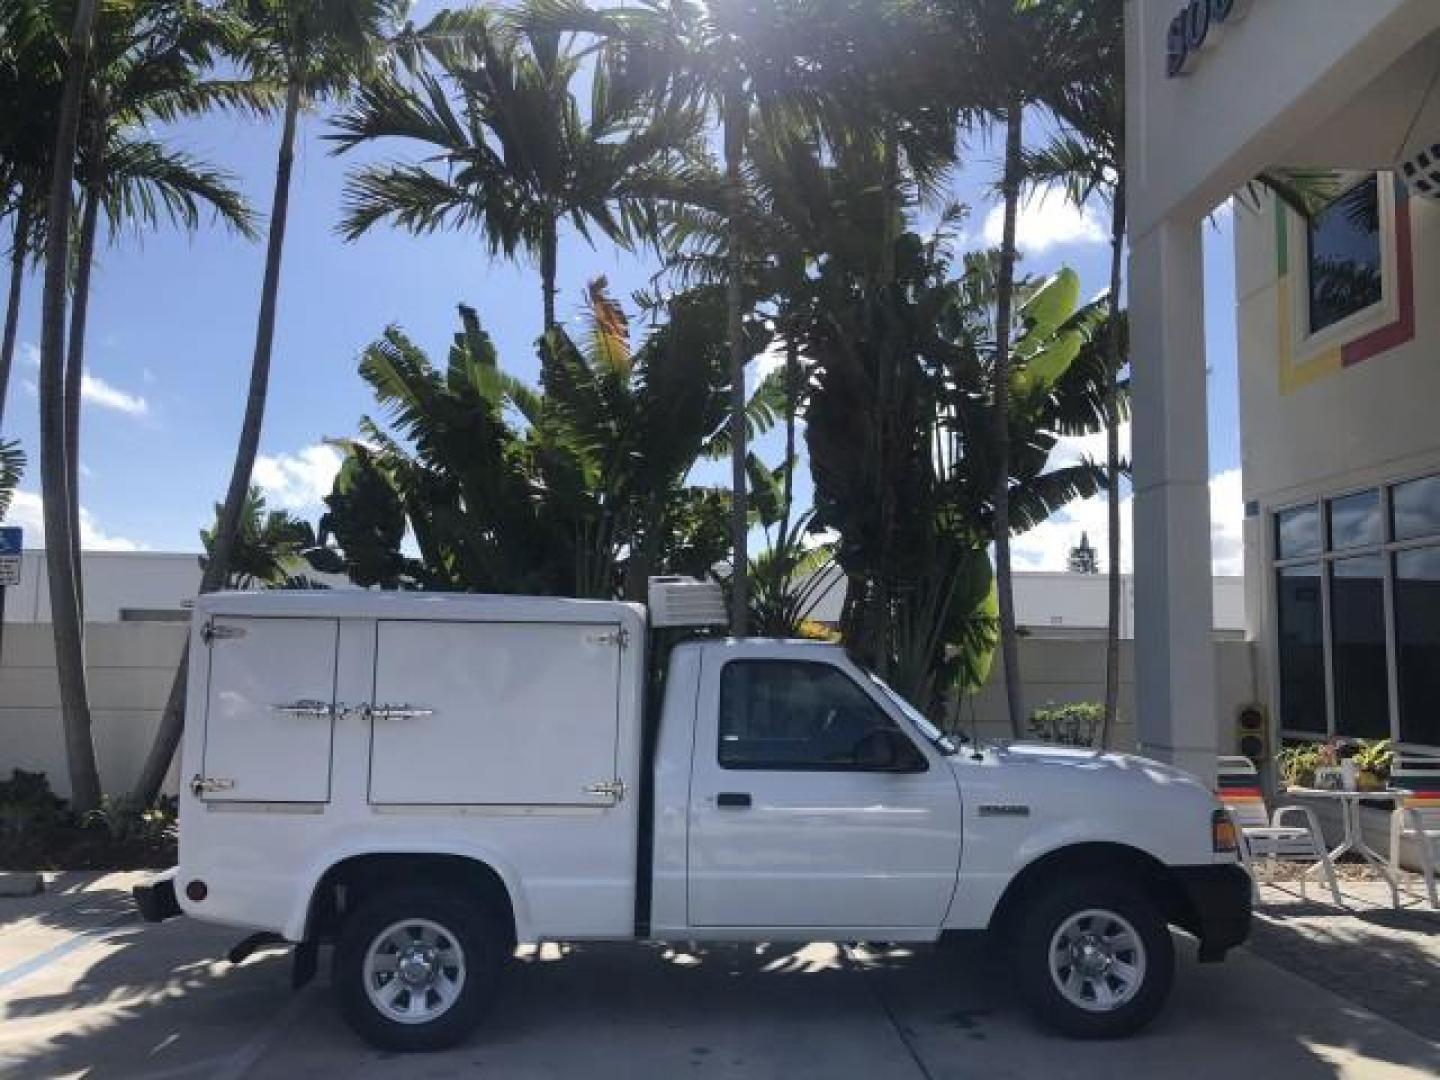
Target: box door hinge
{"type": "Point", "coordinates": [620, 637]}
{"type": "Point", "coordinates": [212, 631]}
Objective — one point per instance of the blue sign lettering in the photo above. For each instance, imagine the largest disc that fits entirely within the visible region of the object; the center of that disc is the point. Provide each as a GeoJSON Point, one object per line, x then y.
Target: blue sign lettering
{"type": "Point", "coordinates": [1197, 24]}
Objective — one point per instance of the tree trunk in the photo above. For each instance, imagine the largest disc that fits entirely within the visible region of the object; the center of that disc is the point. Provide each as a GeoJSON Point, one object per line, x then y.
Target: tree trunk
{"type": "Point", "coordinates": [549, 257]}
{"type": "Point", "coordinates": [64, 615]}
{"type": "Point", "coordinates": [737, 120]}
{"type": "Point", "coordinates": [12, 302]}
{"type": "Point", "coordinates": [216, 573]}
{"type": "Point", "coordinates": [74, 380]}
{"type": "Point", "coordinates": [1112, 467]}
{"type": "Point", "coordinates": [1009, 644]}
{"type": "Point", "coordinates": [792, 405]}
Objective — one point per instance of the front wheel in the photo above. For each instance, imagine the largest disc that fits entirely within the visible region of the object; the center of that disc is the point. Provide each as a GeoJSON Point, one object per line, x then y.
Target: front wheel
{"type": "Point", "coordinates": [415, 969]}
{"type": "Point", "coordinates": [1096, 959]}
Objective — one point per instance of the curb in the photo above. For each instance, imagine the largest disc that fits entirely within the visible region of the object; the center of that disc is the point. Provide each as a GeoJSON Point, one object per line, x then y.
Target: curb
{"type": "Point", "coordinates": [20, 883]}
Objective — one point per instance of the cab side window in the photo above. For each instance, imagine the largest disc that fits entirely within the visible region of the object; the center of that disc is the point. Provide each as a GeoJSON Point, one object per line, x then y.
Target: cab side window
{"type": "Point", "coordinates": [800, 715]}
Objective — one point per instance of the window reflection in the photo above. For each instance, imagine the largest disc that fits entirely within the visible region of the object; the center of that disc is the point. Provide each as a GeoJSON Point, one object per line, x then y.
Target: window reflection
{"type": "Point", "coordinates": [1417, 640]}
{"type": "Point", "coordinates": [1297, 531]}
{"type": "Point", "coordinates": [1302, 651]}
{"type": "Point", "coordinates": [1355, 520]}
{"type": "Point", "coordinates": [1415, 508]}
{"type": "Point", "coordinates": [1357, 636]}
{"type": "Point", "coordinates": [1345, 262]}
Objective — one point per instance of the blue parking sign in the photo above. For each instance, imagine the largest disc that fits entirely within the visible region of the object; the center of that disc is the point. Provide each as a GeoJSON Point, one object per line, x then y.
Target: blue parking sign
{"type": "Point", "coordinates": [12, 540]}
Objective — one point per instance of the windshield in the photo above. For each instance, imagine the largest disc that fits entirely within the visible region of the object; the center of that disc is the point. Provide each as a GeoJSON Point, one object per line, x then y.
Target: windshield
{"type": "Point", "coordinates": [941, 741]}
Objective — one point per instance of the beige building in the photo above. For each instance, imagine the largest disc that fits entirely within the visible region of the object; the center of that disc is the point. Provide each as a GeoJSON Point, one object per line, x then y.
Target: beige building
{"type": "Point", "coordinates": [1338, 338]}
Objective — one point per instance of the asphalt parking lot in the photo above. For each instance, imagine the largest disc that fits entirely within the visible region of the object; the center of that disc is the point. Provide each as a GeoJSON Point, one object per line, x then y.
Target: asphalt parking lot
{"type": "Point", "coordinates": [88, 991]}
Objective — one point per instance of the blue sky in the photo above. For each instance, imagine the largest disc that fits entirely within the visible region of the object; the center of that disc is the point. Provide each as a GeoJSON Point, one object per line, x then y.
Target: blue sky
{"type": "Point", "coordinates": [172, 328]}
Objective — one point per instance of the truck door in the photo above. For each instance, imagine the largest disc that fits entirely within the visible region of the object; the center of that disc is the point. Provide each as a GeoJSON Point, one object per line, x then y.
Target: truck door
{"type": "Point", "coordinates": [470, 713]}
{"type": "Point", "coordinates": [269, 710]}
{"type": "Point", "coordinates": [792, 821]}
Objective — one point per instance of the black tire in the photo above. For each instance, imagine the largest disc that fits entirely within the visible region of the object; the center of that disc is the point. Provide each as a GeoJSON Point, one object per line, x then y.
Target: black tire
{"type": "Point", "coordinates": [1040, 923]}
{"type": "Point", "coordinates": [482, 938]}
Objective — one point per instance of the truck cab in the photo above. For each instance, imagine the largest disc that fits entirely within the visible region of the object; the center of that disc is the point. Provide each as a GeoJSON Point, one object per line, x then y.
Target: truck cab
{"type": "Point", "coordinates": [423, 781]}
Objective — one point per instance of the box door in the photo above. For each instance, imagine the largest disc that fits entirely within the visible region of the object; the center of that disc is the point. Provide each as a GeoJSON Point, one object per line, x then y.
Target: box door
{"type": "Point", "coordinates": [495, 713]}
{"type": "Point", "coordinates": [269, 712]}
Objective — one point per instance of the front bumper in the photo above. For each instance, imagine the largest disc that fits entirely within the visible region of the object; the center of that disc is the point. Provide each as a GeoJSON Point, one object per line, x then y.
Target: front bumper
{"type": "Point", "coordinates": [1216, 906]}
{"type": "Point", "coordinates": [156, 898]}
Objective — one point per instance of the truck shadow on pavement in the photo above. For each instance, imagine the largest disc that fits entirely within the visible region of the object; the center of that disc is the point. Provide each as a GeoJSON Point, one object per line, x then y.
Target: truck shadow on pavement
{"type": "Point", "coordinates": [160, 1003]}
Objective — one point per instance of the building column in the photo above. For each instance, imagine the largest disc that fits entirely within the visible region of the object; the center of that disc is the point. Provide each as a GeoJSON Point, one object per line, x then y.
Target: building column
{"type": "Point", "coordinates": [1176, 721]}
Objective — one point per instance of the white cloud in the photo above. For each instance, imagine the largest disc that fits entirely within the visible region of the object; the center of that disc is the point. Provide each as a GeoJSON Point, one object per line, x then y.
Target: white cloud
{"type": "Point", "coordinates": [1048, 219]}
{"type": "Point", "coordinates": [298, 481]}
{"type": "Point", "coordinates": [27, 511]}
{"type": "Point", "coordinates": [93, 389]}
{"type": "Point", "coordinates": [1047, 546]}
{"type": "Point", "coordinates": [97, 391]}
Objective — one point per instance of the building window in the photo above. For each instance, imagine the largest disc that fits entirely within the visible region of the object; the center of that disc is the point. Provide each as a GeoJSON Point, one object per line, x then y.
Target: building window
{"type": "Point", "coordinates": [1345, 260]}
{"type": "Point", "coordinates": [1357, 598]}
{"type": "Point", "coordinates": [1302, 650]}
{"type": "Point", "coordinates": [1417, 644]}
{"type": "Point", "coordinates": [1357, 636]}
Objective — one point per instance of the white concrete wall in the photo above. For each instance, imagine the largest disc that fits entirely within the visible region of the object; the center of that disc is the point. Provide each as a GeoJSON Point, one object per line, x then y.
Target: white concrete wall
{"type": "Point", "coordinates": [130, 667]}
{"type": "Point", "coordinates": [113, 580]}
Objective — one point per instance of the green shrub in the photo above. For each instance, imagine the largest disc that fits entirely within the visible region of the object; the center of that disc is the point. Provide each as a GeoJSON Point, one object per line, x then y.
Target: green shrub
{"type": "Point", "coordinates": [1072, 724]}
{"type": "Point", "coordinates": [27, 803]}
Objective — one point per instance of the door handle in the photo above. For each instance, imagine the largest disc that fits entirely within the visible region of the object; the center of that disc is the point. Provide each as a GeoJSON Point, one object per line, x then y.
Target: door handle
{"type": "Point", "coordinates": [733, 798]}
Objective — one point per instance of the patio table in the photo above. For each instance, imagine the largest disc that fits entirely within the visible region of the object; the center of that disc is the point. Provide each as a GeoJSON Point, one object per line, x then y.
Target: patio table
{"type": "Point", "coordinates": [1354, 836]}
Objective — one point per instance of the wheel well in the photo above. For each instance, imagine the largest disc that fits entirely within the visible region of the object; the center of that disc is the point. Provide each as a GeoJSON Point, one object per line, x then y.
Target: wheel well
{"type": "Point", "coordinates": [1104, 860]}
{"type": "Point", "coordinates": [349, 883]}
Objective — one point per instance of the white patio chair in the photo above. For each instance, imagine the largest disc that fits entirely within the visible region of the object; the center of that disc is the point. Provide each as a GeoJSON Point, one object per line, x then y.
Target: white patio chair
{"type": "Point", "coordinates": [1417, 818]}
{"type": "Point", "coordinates": [1263, 836]}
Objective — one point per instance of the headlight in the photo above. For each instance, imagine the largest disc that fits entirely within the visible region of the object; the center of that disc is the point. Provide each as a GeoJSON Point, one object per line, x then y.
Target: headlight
{"type": "Point", "coordinates": [1223, 837]}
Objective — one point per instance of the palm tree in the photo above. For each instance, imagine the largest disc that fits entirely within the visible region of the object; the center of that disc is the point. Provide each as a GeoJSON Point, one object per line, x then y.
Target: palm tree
{"type": "Point", "coordinates": [31, 67]}
{"type": "Point", "coordinates": [12, 467]}
{"type": "Point", "coordinates": [64, 609]}
{"type": "Point", "coordinates": [1087, 158]}
{"type": "Point", "coordinates": [722, 60]}
{"type": "Point", "coordinates": [903, 403]}
{"type": "Point", "coordinates": [579, 489]}
{"type": "Point", "coordinates": [270, 549]}
{"type": "Point", "coordinates": [1013, 55]}
{"type": "Point", "coordinates": [507, 151]}
{"type": "Point", "coordinates": [147, 67]}
{"type": "Point", "coordinates": [313, 50]}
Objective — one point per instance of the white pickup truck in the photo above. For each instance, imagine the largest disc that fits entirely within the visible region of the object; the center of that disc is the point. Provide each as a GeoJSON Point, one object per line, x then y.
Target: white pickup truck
{"type": "Point", "coordinates": [426, 781]}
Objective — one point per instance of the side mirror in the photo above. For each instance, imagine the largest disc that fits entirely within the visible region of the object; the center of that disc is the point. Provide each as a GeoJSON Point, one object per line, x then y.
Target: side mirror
{"type": "Point", "coordinates": [887, 750]}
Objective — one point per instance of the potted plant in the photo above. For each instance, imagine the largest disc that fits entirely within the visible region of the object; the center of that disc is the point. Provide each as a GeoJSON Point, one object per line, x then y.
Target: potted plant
{"type": "Point", "coordinates": [1372, 763]}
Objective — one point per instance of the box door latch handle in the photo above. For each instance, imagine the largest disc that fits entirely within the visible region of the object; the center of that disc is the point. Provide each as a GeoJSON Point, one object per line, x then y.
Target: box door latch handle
{"type": "Point", "coordinates": [401, 712]}
{"type": "Point", "coordinates": [608, 789]}
{"type": "Point", "coordinates": [305, 707]}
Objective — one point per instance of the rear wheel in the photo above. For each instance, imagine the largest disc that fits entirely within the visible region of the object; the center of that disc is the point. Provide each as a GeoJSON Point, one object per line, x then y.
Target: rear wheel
{"type": "Point", "coordinates": [1096, 959]}
{"type": "Point", "coordinates": [416, 969]}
